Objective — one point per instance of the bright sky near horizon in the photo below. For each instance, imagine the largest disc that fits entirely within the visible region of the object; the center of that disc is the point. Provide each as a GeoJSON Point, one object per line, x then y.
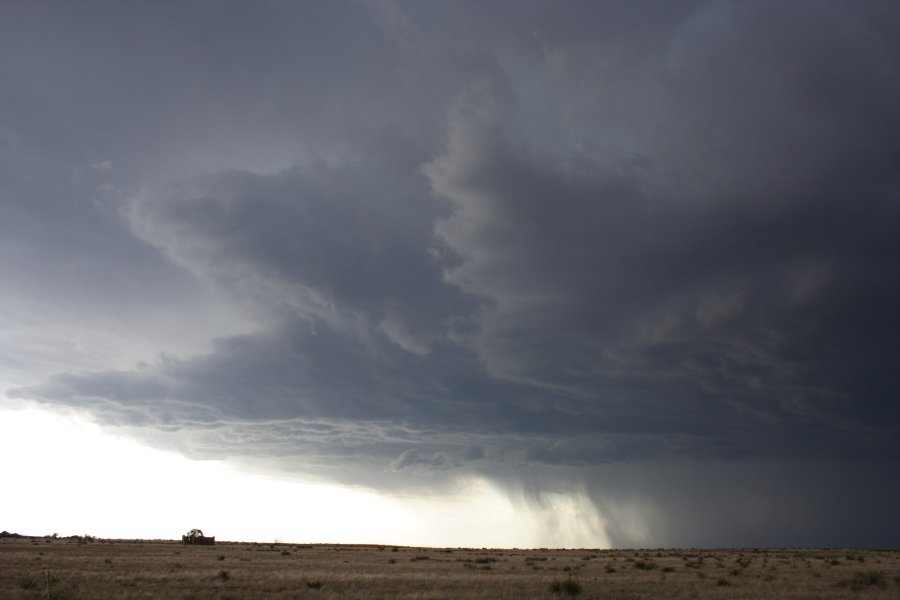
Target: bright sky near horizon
{"type": "Point", "coordinates": [68, 477]}
{"type": "Point", "coordinates": [506, 273]}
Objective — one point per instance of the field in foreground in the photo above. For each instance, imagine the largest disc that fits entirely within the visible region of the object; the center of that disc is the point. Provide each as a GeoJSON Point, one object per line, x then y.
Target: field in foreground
{"type": "Point", "coordinates": [69, 569]}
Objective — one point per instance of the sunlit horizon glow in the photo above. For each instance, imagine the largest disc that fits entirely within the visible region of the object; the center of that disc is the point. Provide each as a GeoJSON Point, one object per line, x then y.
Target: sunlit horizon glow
{"type": "Point", "coordinates": [110, 487]}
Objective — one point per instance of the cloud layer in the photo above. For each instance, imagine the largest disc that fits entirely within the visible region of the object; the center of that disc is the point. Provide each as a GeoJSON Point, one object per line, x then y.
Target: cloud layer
{"type": "Point", "coordinates": [646, 254]}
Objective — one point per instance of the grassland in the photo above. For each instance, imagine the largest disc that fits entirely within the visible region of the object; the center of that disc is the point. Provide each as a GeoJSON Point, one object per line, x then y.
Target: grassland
{"type": "Point", "coordinates": [69, 569]}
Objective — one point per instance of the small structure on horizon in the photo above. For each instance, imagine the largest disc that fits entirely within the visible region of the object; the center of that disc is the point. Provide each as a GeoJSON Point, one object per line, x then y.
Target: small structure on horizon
{"type": "Point", "coordinates": [195, 537]}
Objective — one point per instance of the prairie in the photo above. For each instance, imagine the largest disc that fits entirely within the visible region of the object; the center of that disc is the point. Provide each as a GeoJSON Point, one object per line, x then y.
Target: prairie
{"type": "Point", "coordinates": [62, 569]}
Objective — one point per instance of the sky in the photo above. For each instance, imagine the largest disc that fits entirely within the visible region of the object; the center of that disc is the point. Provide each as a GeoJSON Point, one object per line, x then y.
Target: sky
{"type": "Point", "coordinates": [511, 273]}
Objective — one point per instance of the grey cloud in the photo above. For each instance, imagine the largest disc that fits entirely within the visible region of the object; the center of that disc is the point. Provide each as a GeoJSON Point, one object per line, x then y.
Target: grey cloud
{"type": "Point", "coordinates": [599, 274]}
{"type": "Point", "coordinates": [338, 243]}
{"type": "Point", "coordinates": [411, 458]}
{"type": "Point", "coordinates": [208, 85]}
{"type": "Point", "coordinates": [456, 458]}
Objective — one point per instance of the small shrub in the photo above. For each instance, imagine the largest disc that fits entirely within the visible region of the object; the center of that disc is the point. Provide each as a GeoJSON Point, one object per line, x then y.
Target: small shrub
{"type": "Point", "coordinates": [392, 561]}
{"type": "Point", "coordinates": [644, 565]}
{"type": "Point", "coordinates": [223, 575]}
{"type": "Point", "coordinates": [668, 569]}
{"type": "Point", "coordinates": [314, 585]}
{"type": "Point", "coordinates": [610, 569]}
{"type": "Point", "coordinates": [722, 582]}
{"type": "Point", "coordinates": [220, 558]}
{"type": "Point", "coordinates": [569, 586]}
{"type": "Point", "coordinates": [28, 584]}
{"type": "Point", "coordinates": [285, 552]}
{"type": "Point", "coordinates": [862, 581]}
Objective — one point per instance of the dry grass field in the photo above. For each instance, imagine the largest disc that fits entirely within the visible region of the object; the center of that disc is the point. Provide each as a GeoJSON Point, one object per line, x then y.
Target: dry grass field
{"type": "Point", "coordinates": [67, 569]}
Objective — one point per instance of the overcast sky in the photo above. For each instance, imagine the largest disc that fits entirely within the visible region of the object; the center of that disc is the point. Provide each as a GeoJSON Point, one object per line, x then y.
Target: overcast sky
{"type": "Point", "coordinates": [642, 253]}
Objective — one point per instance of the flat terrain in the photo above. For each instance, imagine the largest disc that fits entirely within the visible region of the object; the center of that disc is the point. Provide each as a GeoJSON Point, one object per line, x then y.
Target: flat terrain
{"type": "Point", "coordinates": [67, 569]}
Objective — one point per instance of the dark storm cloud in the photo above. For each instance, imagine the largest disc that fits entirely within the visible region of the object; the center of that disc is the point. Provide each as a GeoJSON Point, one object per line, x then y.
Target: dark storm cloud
{"type": "Point", "coordinates": [633, 251]}
{"type": "Point", "coordinates": [595, 280]}
{"type": "Point", "coordinates": [733, 282]}
{"type": "Point", "coordinates": [338, 243]}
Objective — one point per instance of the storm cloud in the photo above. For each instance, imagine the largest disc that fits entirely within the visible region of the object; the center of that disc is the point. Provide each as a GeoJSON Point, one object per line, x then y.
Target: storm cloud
{"type": "Point", "coordinates": [644, 252]}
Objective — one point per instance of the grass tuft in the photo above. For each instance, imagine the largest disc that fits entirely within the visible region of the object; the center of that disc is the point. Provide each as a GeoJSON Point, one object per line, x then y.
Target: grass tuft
{"type": "Point", "coordinates": [569, 586]}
